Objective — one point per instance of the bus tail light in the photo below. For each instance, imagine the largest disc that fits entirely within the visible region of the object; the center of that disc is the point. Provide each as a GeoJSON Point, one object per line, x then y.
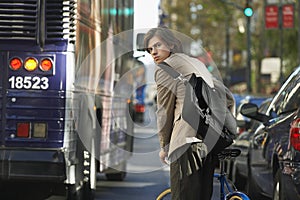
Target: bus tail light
{"type": "Point", "coordinates": [295, 134]}
{"type": "Point", "coordinates": [46, 64]}
{"type": "Point", "coordinates": [39, 130]}
{"type": "Point", "coordinates": [30, 64]}
{"type": "Point", "coordinates": [35, 130]}
{"type": "Point", "coordinates": [23, 129]}
{"type": "Point", "coordinates": [15, 63]}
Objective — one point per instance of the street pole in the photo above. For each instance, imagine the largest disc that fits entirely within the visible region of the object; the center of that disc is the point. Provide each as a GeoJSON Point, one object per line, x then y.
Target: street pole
{"type": "Point", "coordinates": [281, 41]}
{"type": "Point", "coordinates": [298, 31]}
{"type": "Point", "coordinates": [248, 69]}
{"type": "Point", "coordinates": [249, 57]}
{"type": "Point", "coordinates": [227, 50]}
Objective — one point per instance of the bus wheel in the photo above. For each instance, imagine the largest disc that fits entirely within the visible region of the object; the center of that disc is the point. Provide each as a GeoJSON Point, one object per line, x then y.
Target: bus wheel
{"type": "Point", "coordinates": [118, 173]}
{"type": "Point", "coordinates": [120, 176]}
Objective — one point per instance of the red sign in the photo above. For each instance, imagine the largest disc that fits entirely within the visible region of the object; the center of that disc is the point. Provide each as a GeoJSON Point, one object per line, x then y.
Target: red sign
{"type": "Point", "coordinates": [288, 16]}
{"type": "Point", "coordinates": [271, 16]}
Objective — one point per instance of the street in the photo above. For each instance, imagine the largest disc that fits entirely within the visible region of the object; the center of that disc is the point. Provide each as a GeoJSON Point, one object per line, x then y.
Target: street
{"type": "Point", "coordinates": [146, 176]}
{"type": "Point", "coordinates": [75, 75]}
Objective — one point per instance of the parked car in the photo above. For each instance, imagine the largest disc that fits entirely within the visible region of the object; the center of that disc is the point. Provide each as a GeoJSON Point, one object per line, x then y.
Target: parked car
{"type": "Point", "coordinates": [238, 172]}
{"type": "Point", "coordinates": [274, 151]}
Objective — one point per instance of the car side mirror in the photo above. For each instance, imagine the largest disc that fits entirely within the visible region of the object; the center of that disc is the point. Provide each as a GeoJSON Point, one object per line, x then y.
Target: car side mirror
{"type": "Point", "coordinates": [251, 110]}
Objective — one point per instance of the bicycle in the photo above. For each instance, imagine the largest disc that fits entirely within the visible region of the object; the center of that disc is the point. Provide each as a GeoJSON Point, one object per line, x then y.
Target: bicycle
{"type": "Point", "coordinates": [232, 192]}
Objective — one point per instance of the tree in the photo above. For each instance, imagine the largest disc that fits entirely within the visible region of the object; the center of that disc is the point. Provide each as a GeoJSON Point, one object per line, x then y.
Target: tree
{"type": "Point", "coordinates": [204, 20]}
{"type": "Point", "coordinates": [208, 20]}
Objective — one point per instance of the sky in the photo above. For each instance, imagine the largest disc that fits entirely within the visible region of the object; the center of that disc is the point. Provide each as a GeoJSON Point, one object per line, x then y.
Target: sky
{"type": "Point", "coordinates": [145, 16]}
{"type": "Point", "coordinates": [145, 13]}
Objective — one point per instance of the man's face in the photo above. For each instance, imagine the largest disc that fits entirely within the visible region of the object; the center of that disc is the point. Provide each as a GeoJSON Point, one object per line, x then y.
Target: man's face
{"type": "Point", "coordinates": [158, 49]}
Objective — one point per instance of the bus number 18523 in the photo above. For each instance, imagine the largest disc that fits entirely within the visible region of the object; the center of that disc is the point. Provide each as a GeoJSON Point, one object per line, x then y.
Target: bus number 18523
{"type": "Point", "coordinates": [28, 82]}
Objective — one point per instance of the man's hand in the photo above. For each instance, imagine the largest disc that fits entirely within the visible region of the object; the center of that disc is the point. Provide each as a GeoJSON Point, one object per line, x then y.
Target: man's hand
{"type": "Point", "coordinates": [163, 156]}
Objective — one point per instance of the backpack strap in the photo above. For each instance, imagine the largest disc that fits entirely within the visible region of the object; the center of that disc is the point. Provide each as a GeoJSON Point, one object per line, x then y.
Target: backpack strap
{"type": "Point", "coordinates": [172, 72]}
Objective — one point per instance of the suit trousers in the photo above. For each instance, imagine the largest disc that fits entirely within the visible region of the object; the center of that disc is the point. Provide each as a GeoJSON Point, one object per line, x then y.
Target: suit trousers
{"type": "Point", "coordinates": [192, 177]}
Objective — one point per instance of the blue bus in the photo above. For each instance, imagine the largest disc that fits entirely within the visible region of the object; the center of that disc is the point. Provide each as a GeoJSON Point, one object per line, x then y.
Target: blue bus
{"type": "Point", "coordinates": [62, 118]}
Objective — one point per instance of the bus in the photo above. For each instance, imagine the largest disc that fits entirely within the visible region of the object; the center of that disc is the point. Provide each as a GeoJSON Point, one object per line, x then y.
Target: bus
{"type": "Point", "coordinates": [64, 84]}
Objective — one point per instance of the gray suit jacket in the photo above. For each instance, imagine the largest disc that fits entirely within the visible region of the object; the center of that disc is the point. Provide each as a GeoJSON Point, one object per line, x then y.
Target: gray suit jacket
{"type": "Point", "coordinates": [173, 131]}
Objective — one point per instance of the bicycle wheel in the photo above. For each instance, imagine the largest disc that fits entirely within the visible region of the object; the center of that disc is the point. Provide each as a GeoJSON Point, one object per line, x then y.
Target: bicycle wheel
{"type": "Point", "coordinates": [165, 195]}
{"type": "Point", "coordinates": [237, 196]}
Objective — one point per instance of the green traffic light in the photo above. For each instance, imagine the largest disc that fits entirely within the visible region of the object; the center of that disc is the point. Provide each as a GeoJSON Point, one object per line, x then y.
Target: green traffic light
{"type": "Point", "coordinates": [248, 12]}
{"type": "Point", "coordinates": [210, 68]}
{"type": "Point", "coordinates": [114, 11]}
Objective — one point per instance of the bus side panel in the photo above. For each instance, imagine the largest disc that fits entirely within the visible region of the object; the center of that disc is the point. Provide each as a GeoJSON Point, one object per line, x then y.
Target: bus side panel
{"type": "Point", "coordinates": [115, 132]}
{"type": "Point", "coordinates": [116, 122]}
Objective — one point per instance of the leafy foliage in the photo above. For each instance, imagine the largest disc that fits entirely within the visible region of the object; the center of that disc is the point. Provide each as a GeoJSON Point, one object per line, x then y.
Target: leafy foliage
{"type": "Point", "coordinates": [208, 21]}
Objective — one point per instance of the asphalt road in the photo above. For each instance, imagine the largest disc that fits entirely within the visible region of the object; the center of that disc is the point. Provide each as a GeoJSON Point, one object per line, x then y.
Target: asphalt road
{"type": "Point", "coordinates": [147, 177]}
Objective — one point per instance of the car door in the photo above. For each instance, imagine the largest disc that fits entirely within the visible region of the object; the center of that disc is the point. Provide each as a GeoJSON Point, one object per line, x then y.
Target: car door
{"type": "Point", "coordinates": [287, 102]}
{"type": "Point", "coordinates": [266, 137]}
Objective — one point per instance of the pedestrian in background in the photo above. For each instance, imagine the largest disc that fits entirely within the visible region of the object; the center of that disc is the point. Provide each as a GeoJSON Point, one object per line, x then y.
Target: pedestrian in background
{"type": "Point", "coordinates": [191, 167]}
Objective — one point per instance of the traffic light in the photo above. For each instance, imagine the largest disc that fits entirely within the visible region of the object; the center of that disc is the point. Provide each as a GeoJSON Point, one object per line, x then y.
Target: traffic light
{"type": "Point", "coordinates": [210, 68]}
{"type": "Point", "coordinates": [248, 11]}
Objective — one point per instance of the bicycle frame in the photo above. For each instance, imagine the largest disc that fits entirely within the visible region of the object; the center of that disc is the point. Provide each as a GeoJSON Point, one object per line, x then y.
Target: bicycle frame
{"type": "Point", "coordinates": [233, 193]}
{"type": "Point", "coordinates": [223, 181]}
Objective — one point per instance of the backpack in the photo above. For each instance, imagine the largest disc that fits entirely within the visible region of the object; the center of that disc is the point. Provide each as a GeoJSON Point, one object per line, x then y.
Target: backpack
{"type": "Point", "coordinates": [205, 109]}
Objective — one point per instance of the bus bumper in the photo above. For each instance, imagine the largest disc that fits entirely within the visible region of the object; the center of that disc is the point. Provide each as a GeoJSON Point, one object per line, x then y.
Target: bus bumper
{"type": "Point", "coordinates": [41, 165]}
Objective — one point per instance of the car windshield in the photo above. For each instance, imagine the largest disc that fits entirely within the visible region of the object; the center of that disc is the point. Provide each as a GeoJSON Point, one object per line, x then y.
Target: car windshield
{"type": "Point", "coordinates": [290, 98]}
